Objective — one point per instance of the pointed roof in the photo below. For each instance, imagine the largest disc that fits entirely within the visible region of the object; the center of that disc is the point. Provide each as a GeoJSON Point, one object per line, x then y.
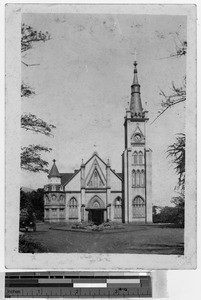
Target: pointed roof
{"type": "Point", "coordinates": [54, 171]}
{"type": "Point", "coordinates": [135, 103]}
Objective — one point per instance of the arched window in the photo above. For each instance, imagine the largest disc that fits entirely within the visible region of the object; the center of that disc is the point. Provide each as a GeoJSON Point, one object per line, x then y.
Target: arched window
{"type": "Point", "coordinates": [135, 160]}
{"type": "Point", "coordinates": [61, 199]}
{"type": "Point", "coordinates": [138, 207]}
{"type": "Point", "coordinates": [54, 212]}
{"type": "Point", "coordinates": [54, 198]}
{"type": "Point", "coordinates": [138, 178]}
{"type": "Point", "coordinates": [73, 208]}
{"type": "Point", "coordinates": [133, 178]}
{"type": "Point", "coordinates": [142, 178]}
{"type": "Point", "coordinates": [47, 200]}
{"type": "Point", "coordinates": [46, 213]}
{"type": "Point", "coordinates": [95, 179]}
{"type": "Point", "coordinates": [140, 157]}
{"type": "Point", "coordinates": [61, 212]}
{"type": "Point", "coordinates": [118, 208]}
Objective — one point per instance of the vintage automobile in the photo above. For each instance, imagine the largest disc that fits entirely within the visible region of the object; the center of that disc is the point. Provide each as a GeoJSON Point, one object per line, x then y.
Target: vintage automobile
{"type": "Point", "coordinates": [27, 221]}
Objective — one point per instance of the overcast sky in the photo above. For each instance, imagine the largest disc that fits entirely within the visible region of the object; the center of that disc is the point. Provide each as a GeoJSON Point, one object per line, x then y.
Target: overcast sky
{"type": "Point", "coordinates": [82, 86]}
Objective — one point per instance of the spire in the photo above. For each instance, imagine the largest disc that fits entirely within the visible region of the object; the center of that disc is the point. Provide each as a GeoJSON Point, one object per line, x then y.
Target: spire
{"type": "Point", "coordinates": [54, 171]}
{"type": "Point", "coordinates": [135, 103]}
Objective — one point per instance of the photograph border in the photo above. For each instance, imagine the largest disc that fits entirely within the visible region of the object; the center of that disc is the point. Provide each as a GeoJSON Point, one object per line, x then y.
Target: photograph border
{"type": "Point", "coordinates": [95, 261]}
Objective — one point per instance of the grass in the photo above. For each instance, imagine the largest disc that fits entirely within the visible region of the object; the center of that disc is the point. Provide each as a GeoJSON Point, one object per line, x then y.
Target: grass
{"type": "Point", "coordinates": [136, 239]}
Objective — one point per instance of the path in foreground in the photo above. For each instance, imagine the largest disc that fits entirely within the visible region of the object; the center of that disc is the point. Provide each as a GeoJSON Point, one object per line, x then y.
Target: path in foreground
{"type": "Point", "coordinates": [138, 239]}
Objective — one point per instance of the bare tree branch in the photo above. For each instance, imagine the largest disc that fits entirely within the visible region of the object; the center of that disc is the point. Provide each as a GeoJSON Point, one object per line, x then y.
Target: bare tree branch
{"type": "Point", "coordinates": [29, 65]}
{"type": "Point", "coordinates": [178, 95]}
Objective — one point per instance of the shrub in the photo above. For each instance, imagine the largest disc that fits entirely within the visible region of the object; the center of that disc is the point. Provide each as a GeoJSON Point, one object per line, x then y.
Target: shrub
{"type": "Point", "coordinates": [28, 245]}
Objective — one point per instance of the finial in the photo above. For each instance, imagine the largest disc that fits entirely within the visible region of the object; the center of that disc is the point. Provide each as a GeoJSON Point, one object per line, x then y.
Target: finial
{"type": "Point", "coordinates": [54, 160]}
{"type": "Point", "coordinates": [108, 162]}
{"type": "Point", "coordinates": [135, 66]}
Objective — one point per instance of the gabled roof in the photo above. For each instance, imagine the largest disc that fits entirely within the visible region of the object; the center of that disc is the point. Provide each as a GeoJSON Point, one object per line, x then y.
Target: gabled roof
{"type": "Point", "coordinates": [67, 177]}
{"type": "Point", "coordinates": [96, 154]}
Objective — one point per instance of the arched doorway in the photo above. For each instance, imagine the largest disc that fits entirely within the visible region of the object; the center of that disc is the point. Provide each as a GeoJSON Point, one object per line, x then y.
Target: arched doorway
{"type": "Point", "coordinates": [96, 210]}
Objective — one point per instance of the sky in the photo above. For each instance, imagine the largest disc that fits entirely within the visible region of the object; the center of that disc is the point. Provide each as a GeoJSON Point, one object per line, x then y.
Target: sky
{"type": "Point", "coordinates": [82, 85]}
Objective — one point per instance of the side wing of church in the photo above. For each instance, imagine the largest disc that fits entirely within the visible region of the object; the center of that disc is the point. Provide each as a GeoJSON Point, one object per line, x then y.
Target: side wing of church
{"type": "Point", "coordinates": [96, 192]}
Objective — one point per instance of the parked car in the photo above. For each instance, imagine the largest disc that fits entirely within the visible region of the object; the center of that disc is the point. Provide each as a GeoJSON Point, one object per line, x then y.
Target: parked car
{"type": "Point", "coordinates": [27, 221]}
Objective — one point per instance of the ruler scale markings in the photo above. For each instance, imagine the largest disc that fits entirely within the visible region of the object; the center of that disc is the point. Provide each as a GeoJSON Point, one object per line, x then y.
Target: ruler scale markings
{"type": "Point", "coordinates": [53, 284]}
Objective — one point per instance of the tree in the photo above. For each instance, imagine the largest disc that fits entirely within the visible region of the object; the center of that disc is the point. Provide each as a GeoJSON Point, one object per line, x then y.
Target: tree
{"type": "Point", "coordinates": [177, 152]}
{"type": "Point", "coordinates": [177, 95]}
{"type": "Point", "coordinates": [32, 202]}
{"type": "Point", "coordinates": [180, 206]}
{"type": "Point", "coordinates": [31, 155]}
{"type": "Point", "coordinates": [167, 214]}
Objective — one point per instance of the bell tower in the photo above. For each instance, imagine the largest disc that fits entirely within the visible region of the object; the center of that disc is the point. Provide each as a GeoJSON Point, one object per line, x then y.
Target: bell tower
{"type": "Point", "coordinates": [136, 161]}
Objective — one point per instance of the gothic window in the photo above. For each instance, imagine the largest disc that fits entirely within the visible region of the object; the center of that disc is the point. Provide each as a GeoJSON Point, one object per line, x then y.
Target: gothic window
{"type": "Point", "coordinates": [135, 156]}
{"type": "Point", "coordinates": [46, 199]}
{"type": "Point", "coordinates": [53, 197]}
{"type": "Point", "coordinates": [138, 207]}
{"type": "Point", "coordinates": [96, 205]}
{"type": "Point", "coordinates": [95, 179]}
{"type": "Point", "coordinates": [118, 208]}
{"type": "Point", "coordinates": [142, 178]}
{"type": "Point", "coordinates": [73, 209]}
{"type": "Point", "coordinates": [61, 199]}
{"type": "Point", "coordinates": [138, 178]}
{"type": "Point", "coordinates": [61, 212]}
{"type": "Point", "coordinates": [54, 212]}
{"type": "Point", "coordinates": [140, 157]}
{"type": "Point", "coordinates": [133, 178]}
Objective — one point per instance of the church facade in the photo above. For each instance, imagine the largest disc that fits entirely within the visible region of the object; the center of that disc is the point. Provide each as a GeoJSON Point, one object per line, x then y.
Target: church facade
{"type": "Point", "coordinates": [95, 192]}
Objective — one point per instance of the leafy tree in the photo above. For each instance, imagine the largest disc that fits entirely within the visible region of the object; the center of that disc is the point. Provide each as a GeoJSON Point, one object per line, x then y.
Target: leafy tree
{"type": "Point", "coordinates": [31, 158]}
{"type": "Point", "coordinates": [180, 206]}
{"type": "Point", "coordinates": [32, 203]}
{"type": "Point", "coordinates": [177, 152]}
{"type": "Point", "coordinates": [31, 155]}
{"type": "Point", "coordinates": [167, 214]}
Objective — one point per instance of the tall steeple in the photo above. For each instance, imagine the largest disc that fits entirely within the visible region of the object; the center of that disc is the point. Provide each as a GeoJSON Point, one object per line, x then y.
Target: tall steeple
{"type": "Point", "coordinates": [54, 171]}
{"type": "Point", "coordinates": [135, 103]}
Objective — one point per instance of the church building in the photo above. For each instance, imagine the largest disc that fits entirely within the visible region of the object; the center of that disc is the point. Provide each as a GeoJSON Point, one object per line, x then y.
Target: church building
{"type": "Point", "coordinates": [96, 192]}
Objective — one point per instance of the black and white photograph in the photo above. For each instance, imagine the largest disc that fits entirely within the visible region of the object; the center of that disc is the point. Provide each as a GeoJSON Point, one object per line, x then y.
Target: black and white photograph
{"type": "Point", "coordinates": [101, 133]}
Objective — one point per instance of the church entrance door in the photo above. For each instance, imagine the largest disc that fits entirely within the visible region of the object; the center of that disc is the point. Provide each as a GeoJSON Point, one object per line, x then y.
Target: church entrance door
{"type": "Point", "coordinates": [96, 216]}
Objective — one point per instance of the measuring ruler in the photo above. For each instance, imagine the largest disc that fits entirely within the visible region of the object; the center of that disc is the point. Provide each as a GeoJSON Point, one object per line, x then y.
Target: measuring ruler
{"type": "Point", "coordinates": [77, 285]}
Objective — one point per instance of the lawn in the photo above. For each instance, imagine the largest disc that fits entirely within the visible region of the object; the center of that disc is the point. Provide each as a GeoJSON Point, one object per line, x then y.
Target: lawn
{"type": "Point", "coordinates": [140, 239]}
